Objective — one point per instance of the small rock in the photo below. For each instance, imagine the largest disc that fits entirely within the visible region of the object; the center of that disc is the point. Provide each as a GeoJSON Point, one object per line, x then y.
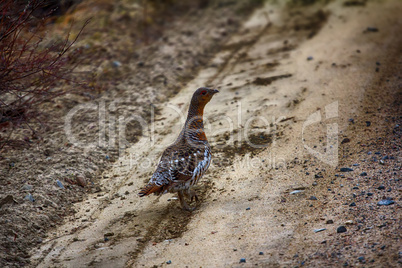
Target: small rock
{"type": "Point", "coordinates": [349, 222]}
{"type": "Point", "coordinates": [315, 183]}
{"type": "Point", "coordinates": [261, 253]}
{"type": "Point", "coordinates": [368, 123]}
{"type": "Point", "coordinates": [353, 204]}
{"type": "Point", "coordinates": [346, 169]}
{"type": "Point", "coordinates": [9, 199]}
{"type": "Point", "coordinates": [381, 187]}
{"type": "Point", "coordinates": [313, 197]}
{"type": "Point", "coordinates": [351, 120]}
{"type": "Point", "coordinates": [363, 174]}
{"type": "Point", "coordinates": [341, 229]}
{"type": "Point", "coordinates": [242, 260]}
{"type": "Point", "coordinates": [116, 63]}
{"type": "Point", "coordinates": [105, 239]}
{"type": "Point", "coordinates": [361, 259]}
{"type": "Point", "coordinates": [310, 58]}
{"type": "Point", "coordinates": [26, 187]}
{"type": "Point", "coordinates": [385, 202]}
{"type": "Point", "coordinates": [60, 184]}
{"type": "Point", "coordinates": [81, 181]}
{"type": "Point", "coordinates": [330, 222]}
{"type": "Point", "coordinates": [345, 140]}
{"type": "Point", "coordinates": [29, 197]}
{"type": "Point", "coordinates": [371, 29]}
{"type": "Point", "coordinates": [319, 230]}
{"type": "Point", "coordinates": [169, 262]}
{"type": "Point", "coordinates": [296, 192]}
{"type": "Point", "coordinates": [369, 194]}
{"type": "Point", "coordinates": [318, 176]}
{"type": "Point", "coordinates": [109, 234]}
{"type": "Point", "coordinates": [247, 208]}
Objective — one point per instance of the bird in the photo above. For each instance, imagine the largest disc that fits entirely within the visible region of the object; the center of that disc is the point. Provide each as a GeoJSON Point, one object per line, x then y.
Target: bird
{"type": "Point", "coordinates": [183, 163]}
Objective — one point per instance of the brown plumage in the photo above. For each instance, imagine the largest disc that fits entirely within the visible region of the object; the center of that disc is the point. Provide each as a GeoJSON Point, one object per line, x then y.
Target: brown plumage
{"type": "Point", "coordinates": [185, 161]}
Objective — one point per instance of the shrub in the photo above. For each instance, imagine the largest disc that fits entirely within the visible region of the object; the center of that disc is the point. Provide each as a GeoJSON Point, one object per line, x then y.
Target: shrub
{"type": "Point", "coordinates": [33, 69]}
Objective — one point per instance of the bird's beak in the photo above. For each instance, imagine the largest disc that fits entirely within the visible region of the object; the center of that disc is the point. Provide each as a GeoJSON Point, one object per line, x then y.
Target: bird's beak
{"type": "Point", "coordinates": [215, 91]}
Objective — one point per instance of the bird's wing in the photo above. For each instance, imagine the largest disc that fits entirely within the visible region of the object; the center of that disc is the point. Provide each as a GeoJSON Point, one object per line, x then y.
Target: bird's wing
{"type": "Point", "coordinates": [184, 163]}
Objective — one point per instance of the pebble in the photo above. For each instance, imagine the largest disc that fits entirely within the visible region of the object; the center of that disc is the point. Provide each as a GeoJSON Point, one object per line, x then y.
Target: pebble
{"type": "Point", "coordinates": [361, 259]}
{"type": "Point", "coordinates": [310, 58]}
{"type": "Point", "coordinates": [81, 181]}
{"type": "Point", "coordinates": [242, 260]}
{"type": "Point", "coordinates": [330, 222]}
{"type": "Point", "coordinates": [368, 123]}
{"type": "Point", "coordinates": [363, 174]}
{"type": "Point", "coordinates": [261, 253]}
{"type": "Point", "coordinates": [315, 183]}
{"type": "Point", "coordinates": [247, 208]}
{"type": "Point", "coordinates": [109, 234]}
{"type": "Point", "coordinates": [346, 169]}
{"type": "Point", "coordinates": [345, 140]}
{"type": "Point", "coordinates": [9, 199]}
{"type": "Point", "coordinates": [296, 192]}
{"type": "Point", "coordinates": [385, 202]}
{"type": "Point", "coordinates": [381, 187]}
{"type": "Point", "coordinates": [107, 157]}
{"type": "Point", "coordinates": [319, 230]}
{"type": "Point", "coordinates": [372, 29]}
{"type": "Point", "coordinates": [349, 222]}
{"type": "Point", "coordinates": [116, 63]}
{"type": "Point", "coordinates": [369, 194]}
{"type": "Point", "coordinates": [318, 176]}
{"type": "Point", "coordinates": [341, 229]}
{"type": "Point", "coordinates": [169, 262]}
{"type": "Point", "coordinates": [351, 120]}
{"type": "Point", "coordinates": [313, 197]}
{"type": "Point", "coordinates": [60, 184]}
{"type": "Point", "coordinates": [353, 204]}
{"type": "Point", "coordinates": [26, 187]}
{"type": "Point", "coordinates": [29, 197]}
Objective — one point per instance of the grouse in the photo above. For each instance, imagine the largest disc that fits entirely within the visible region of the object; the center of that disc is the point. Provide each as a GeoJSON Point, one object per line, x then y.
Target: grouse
{"type": "Point", "coordinates": [185, 161]}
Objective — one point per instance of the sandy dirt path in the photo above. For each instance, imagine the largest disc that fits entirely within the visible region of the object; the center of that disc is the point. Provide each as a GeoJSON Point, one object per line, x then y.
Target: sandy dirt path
{"type": "Point", "coordinates": [289, 81]}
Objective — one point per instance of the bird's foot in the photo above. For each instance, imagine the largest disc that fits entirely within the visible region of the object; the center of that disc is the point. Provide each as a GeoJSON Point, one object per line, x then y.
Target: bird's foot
{"type": "Point", "coordinates": [183, 203]}
{"type": "Point", "coordinates": [193, 196]}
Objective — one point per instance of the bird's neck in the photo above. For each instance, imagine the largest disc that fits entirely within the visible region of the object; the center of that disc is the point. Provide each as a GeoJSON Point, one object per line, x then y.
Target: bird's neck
{"type": "Point", "coordinates": [195, 117]}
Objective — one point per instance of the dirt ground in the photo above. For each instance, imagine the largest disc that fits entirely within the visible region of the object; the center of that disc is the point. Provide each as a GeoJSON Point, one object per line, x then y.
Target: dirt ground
{"type": "Point", "coordinates": [305, 135]}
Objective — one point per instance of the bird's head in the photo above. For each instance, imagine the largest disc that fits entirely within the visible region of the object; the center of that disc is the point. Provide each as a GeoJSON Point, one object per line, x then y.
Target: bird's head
{"type": "Point", "coordinates": [202, 96]}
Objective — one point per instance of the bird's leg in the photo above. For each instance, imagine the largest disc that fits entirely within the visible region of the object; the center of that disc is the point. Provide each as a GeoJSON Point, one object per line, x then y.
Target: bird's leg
{"type": "Point", "coordinates": [183, 202]}
{"type": "Point", "coordinates": [193, 195]}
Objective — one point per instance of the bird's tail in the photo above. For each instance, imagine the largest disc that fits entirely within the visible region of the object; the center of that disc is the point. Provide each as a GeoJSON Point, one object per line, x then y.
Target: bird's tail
{"type": "Point", "coordinates": [149, 189]}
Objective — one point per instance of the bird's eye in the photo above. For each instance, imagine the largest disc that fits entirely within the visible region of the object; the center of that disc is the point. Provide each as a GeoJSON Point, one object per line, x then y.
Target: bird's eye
{"type": "Point", "coordinates": [203, 92]}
